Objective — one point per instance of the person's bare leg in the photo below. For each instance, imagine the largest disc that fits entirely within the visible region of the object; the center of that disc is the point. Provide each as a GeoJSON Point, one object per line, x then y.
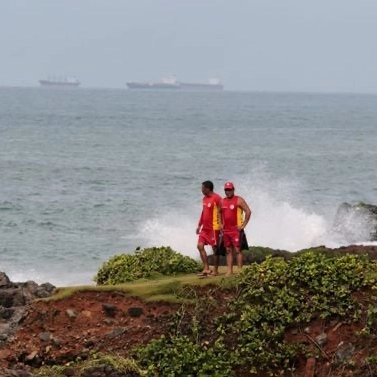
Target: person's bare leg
{"type": "Point", "coordinates": [239, 256]}
{"type": "Point", "coordinates": [204, 258]}
{"type": "Point", "coordinates": [229, 261]}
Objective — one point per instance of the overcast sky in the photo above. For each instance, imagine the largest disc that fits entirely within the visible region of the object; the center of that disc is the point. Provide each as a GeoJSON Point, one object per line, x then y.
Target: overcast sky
{"type": "Point", "coordinates": [266, 45]}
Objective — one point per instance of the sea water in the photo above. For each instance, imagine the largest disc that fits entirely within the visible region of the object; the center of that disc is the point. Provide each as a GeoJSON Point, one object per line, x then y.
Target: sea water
{"type": "Point", "coordinates": [89, 173]}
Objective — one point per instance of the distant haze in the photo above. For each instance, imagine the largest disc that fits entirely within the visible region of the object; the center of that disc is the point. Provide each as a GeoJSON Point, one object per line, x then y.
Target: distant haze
{"type": "Point", "coordinates": [264, 45]}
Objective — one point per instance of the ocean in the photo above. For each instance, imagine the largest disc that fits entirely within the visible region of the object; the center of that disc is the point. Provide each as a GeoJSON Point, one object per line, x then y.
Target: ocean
{"type": "Point", "coordinates": [89, 173]}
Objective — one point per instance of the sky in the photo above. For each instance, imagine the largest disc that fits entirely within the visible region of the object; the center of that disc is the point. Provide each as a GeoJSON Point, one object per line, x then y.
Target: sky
{"type": "Point", "coordinates": [256, 45]}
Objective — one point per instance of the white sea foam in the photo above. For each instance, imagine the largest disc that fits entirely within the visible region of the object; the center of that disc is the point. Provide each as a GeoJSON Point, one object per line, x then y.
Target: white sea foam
{"type": "Point", "coordinates": [278, 220]}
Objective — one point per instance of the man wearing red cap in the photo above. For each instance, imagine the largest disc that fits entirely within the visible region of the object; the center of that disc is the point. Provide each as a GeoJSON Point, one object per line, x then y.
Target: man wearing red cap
{"type": "Point", "coordinates": [209, 225]}
{"type": "Point", "coordinates": [235, 216]}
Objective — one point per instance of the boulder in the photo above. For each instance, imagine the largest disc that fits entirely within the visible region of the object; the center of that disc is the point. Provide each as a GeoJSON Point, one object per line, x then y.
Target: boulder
{"type": "Point", "coordinates": [14, 300]}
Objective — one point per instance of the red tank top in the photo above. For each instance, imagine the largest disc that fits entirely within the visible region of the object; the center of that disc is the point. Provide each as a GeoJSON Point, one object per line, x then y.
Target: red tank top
{"type": "Point", "coordinates": [232, 214]}
{"type": "Point", "coordinates": [210, 213]}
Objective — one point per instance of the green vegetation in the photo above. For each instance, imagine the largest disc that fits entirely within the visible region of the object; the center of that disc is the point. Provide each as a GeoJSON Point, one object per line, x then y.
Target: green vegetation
{"type": "Point", "coordinates": [272, 297]}
{"type": "Point", "coordinates": [280, 293]}
{"type": "Point", "coordinates": [96, 363]}
{"type": "Point", "coordinates": [149, 263]}
{"type": "Point", "coordinates": [165, 288]}
{"type": "Point", "coordinates": [181, 356]}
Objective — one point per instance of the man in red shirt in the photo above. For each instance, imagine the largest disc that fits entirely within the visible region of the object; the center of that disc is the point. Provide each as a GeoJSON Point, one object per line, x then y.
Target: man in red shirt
{"type": "Point", "coordinates": [209, 225]}
{"type": "Point", "coordinates": [235, 216]}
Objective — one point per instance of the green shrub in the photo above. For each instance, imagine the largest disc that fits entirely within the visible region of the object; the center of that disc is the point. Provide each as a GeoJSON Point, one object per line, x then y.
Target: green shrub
{"type": "Point", "coordinates": [180, 356]}
{"type": "Point", "coordinates": [279, 294]}
{"type": "Point", "coordinates": [145, 264]}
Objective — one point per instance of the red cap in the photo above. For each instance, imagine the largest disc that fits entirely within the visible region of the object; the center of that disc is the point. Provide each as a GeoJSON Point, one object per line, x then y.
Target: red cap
{"type": "Point", "coordinates": [229, 185]}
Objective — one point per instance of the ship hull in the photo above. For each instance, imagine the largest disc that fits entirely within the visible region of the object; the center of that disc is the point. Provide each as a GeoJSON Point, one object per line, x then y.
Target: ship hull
{"type": "Point", "coordinates": [200, 87]}
{"type": "Point", "coordinates": [139, 85]}
{"type": "Point", "coordinates": [181, 86]}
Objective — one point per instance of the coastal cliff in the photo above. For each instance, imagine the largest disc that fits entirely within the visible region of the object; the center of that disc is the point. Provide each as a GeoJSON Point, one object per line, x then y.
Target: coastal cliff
{"type": "Point", "coordinates": [317, 309]}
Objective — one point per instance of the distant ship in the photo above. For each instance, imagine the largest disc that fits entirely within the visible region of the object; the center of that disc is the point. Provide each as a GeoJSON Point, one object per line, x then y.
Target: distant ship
{"type": "Point", "coordinates": [61, 82]}
{"type": "Point", "coordinates": [171, 82]}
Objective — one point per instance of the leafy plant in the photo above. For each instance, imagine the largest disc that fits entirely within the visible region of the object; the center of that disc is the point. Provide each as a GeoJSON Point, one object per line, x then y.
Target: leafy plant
{"type": "Point", "coordinates": [145, 264]}
{"type": "Point", "coordinates": [279, 294]}
{"type": "Point", "coordinates": [180, 356]}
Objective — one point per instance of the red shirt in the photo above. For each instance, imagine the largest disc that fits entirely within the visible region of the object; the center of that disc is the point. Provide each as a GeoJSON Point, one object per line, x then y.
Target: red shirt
{"type": "Point", "coordinates": [210, 213]}
{"type": "Point", "coordinates": [232, 214]}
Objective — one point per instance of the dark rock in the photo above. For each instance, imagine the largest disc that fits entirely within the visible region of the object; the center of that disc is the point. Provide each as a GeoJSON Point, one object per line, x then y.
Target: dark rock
{"type": "Point", "coordinates": [6, 313]}
{"type": "Point", "coordinates": [344, 351]}
{"type": "Point", "coordinates": [69, 372]}
{"type": "Point", "coordinates": [321, 339]}
{"type": "Point", "coordinates": [57, 342]}
{"type": "Point", "coordinates": [135, 312]}
{"type": "Point", "coordinates": [89, 343]}
{"type": "Point", "coordinates": [4, 280]}
{"type": "Point", "coordinates": [14, 300]}
{"type": "Point", "coordinates": [45, 336]}
{"type": "Point", "coordinates": [109, 309]}
{"type": "Point", "coordinates": [44, 290]}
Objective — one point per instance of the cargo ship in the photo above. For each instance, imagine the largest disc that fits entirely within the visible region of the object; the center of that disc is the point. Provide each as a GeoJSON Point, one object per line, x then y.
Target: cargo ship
{"type": "Point", "coordinates": [171, 82]}
{"type": "Point", "coordinates": [61, 82]}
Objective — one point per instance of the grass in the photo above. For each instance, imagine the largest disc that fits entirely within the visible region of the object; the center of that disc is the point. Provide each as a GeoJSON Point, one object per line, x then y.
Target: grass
{"type": "Point", "coordinates": [165, 288]}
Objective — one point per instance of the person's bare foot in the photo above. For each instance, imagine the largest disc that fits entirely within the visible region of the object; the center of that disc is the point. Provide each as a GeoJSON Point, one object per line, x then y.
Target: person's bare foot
{"type": "Point", "coordinates": [229, 274]}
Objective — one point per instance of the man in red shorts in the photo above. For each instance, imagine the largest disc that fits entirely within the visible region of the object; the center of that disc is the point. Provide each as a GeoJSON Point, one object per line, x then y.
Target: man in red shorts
{"type": "Point", "coordinates": [209, 226]}
{"type": "Point", "coordinates": [235, 216]}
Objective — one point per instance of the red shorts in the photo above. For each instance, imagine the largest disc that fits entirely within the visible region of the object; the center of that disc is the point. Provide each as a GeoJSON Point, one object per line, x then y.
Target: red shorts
{"type": "Point", "coordinates": [209, 237]}
{"type": "Point", "coordinates": [232, 239]}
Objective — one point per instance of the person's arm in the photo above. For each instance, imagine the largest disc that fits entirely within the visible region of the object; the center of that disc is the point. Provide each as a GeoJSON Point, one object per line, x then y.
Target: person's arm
{"type": "Point", "coordinates": [243, 205]}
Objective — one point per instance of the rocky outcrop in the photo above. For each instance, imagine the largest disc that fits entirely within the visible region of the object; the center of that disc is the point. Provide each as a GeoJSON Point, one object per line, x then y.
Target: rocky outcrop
{"type": "Point", "coordinates": [14, 300]}
{"type": "Point", "coordinates": [356, 223]}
